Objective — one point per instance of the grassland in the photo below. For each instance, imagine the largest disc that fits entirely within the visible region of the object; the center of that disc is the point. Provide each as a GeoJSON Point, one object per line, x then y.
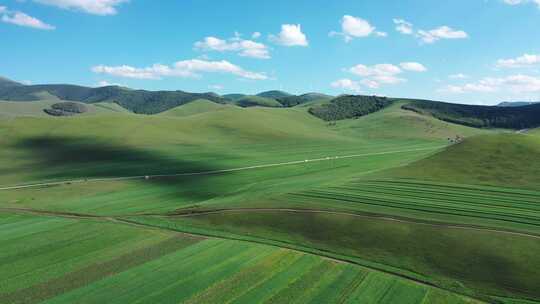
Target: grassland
{"type": "Point", "coordinates": [12, 109]}
{"type": "Point", "coordinates": [67, 260]}
{"type": "Point", "coordinates": [395, 235]}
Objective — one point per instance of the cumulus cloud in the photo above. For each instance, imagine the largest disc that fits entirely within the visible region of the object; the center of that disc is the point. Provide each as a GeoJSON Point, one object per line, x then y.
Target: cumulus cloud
{"type": "Point", "coordinates": [95, 7]}
{"type": "Point", "coordinates": [517, 2]}
{"type": "Point", "coordinates": [379, 74]}
{"type": "Point", "coordinates": [442, 32]}
{"type": "Point", "coordinates": [355, 27]}
{"type": "Point", "coordinates": [413, 66]}
{"type": "Point", "coordinates": [246, 48]}
{"type": "Point", "coordinates": [22, 19]}
{"type": "Point", "coordinates": [256, 35]}
{"type": "Point", "coordinates": [104, 83]}
{"type": "Point", "coordinates": [403, 26]}
{"type": "Point", "coordinates": [347, 84]}
{"type": "Point", "coordinates": [458, 76]}
{"type": "Point", "coordinates": [290, 35]}
{"type": "Point", "coordinates": [513, 83]}
{"type": "Point", "coordinates": [527, 60]}
{"type": "Point", "coordinates": [429, 36]}
{"type": "Point", "coordinates": [215, 87]}
{"type": "Point", "coordinates": [185, 68]}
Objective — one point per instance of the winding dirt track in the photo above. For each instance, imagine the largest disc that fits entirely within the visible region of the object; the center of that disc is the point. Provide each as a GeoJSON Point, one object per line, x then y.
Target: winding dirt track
{"type": "Point", "coordinates": [142, 177]}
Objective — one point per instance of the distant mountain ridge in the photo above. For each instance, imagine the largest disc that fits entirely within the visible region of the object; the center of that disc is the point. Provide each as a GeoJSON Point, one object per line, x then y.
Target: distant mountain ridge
{"type": "Point", "coordinates": [517, 103]}
{"type": "Point", "coordinates": [143, 101]}
{"type": "Point", "coordinates": [7, 83]}
{"type": "Point", "coordinates": [137, 101]}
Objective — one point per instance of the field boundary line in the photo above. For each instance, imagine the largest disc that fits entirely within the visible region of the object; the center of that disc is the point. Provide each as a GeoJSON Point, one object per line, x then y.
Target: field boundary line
{"type": "Point", "coordinates": [143, 177]}
{"type": "Point", "coordinates": [352, 214]}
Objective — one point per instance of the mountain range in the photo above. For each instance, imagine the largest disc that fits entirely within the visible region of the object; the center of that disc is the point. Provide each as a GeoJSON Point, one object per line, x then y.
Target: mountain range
{"type": "Point", "coordinates": [144, 101]}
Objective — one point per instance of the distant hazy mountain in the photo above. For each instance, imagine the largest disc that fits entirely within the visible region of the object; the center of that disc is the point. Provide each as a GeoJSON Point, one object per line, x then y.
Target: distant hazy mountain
{"type": "Point", "coordinates": [275, 94]}
{"type": "Point", "coordinates": [517, 103]}
{"type": "Point", "coordinates": [6, 83]}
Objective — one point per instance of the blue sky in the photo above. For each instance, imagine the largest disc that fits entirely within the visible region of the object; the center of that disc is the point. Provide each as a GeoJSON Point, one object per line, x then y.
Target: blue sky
{"type": "Point", "coordinates": [468, 51]}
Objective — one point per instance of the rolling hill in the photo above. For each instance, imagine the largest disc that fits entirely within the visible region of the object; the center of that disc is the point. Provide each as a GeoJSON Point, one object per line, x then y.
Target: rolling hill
{"type": "Point", "coordinates": [480, 116]}
{"type": "Point", "coordinates": [137, 101]}
{"type": "Point", "coordinates": [274, 94]}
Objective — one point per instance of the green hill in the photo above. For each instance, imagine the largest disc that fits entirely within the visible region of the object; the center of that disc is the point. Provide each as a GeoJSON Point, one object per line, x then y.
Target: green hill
{"type": "Point", "coordinates": [234, 97]}
{"type": "Point", "coordinates": [295, 100]}
{"type": "Point", "coordinates": [507, 160]}
{"type": "Point", "coordinates": [195, 107]}
{"type": "Point", "coordinates": [37, 108]}
{"type": "Point", "coordinates": [480, 116]}
{"type": "Point", "coordinates": [6, 83]}
{"type": "Point", "coordinates": [349, 106]}
{"type": "Point", "coordinates": [137, 101]}
{"type": "Point", "coordinates": [274, 94]}
{"type": "Point", "coordinates": [257, 101]}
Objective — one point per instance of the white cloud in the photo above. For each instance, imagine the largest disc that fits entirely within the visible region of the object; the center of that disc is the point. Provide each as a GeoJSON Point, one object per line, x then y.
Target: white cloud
{"type": "Point", "coordinates": [104, 83]}
{"type": "Point", "coordinates": [22, 19]}
{"type": "Point", "coordinates": [517, 2]}
{"type": "Point", "coordinates": [384, 74]}
{"type": "Point", "coordinates": [215, 87]}
{"type": "Point", "coordinates": [246, 48]}
{"type": "Point", "coordinates": [290, 35]}
{"type": "Point", "coordinates": [526, 60]}
{"type": "Point", "coordinates": [185, 68]}
{"type": "Point", "coordinates": [513, 83]}
{"type": "Point", "coordinates": [347, 84]}
{"type": "Point", "coordinates": [442, 32]}
{"type": "Point", "coordinates": [403, 26]}
{"type": "Point", "coordinates": [413, 66]}
{"type": "Point", "coordinates": [377, 74]}
{"type": "Point", "coordinates": [256, 35]}
{"type": "Point", "coordinates": [458, 76]}
{"type": "Point", "coordinates": [355, 27]}
{"type": "Point", "coordinates": [96, 7]}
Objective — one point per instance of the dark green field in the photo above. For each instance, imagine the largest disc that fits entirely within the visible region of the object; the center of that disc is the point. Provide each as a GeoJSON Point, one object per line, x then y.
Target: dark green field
{"type": "Point", "coordinates": [215, 203]}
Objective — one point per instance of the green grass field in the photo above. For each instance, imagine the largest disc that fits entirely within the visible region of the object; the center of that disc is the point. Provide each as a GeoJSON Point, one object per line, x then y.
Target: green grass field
{"type": "Point", "coordinates": [67, 260]}
{"type": "Point", "coordinates": [403, 216]}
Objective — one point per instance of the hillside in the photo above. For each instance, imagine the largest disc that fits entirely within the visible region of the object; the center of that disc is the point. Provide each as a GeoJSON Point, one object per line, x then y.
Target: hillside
{"type": "Point", "coordinates": [480, 116]}
{"type": "Point", "coordinates": [37, 108]}
{"type": "Point", "coordinates": [349, 106]}
{"type": "Point", "coordinates": [137, 101]}
{"type": "Point", "coordinates": [257, 101]}
{"type": "Point", "coordinates": [234, 97]}
{"type": "Point", "coordinates": [295, 100]}
{"type": "Point", "coordinates": [6, 83]}
{"type": "Point", "coordinates": [507, 160]}
{"type": "Point", "coordinates": [516, 103]}
{"type": "Point", "coordinates": [195, 107]}
{"type": "Point", "coordinates": [274, 94]}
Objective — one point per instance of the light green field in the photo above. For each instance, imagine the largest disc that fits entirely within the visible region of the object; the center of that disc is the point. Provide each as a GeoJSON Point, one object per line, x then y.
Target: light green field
{"type": "Point", "coordinates": [61, 260]}
{"type": "Point", "coordinates": [379, 208]}
{"type": "Point", "coordinates": [195, 107]}
{"type": "Point", "coordinates": [10, 109]}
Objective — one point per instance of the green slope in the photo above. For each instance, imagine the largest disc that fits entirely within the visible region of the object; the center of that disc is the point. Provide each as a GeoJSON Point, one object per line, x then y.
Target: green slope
{"type": "Point", "coordinates": [506, 160]}
{"type": "Point", "coordinates": [35, 108]}
{"type": "Point", "coordinates": [67, 260]}
{"type": "Point", "coordinates": [480, 116]}
{"type": "Point", "coordinates": [138, 101]}
{"type": "Point", "coordinates": [257, 101]}
{"type": "Point", "coordinates": [195, 107]}
{"type": "Point", "coordinates": [274, 94]}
